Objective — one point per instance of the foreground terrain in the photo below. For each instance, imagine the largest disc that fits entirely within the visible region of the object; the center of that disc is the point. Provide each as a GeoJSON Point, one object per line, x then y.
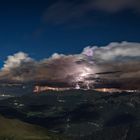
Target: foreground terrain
{"type": "Point", "coordinates": [76, 114]}
{"type": "Point", "coordinates": [13, 129]}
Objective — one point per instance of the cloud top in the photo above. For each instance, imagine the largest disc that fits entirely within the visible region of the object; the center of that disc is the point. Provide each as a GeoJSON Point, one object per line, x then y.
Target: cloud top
{"type": "Point", "coordinates": [114, 51]}
{"type": "Point", "coordinates": [15, 60]}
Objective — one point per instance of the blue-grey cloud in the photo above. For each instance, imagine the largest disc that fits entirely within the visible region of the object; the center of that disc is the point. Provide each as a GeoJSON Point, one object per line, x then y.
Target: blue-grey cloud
{"type": "Point", "coordinates": [117, 5]}
{"type": "Point", "coordinates": [63, 11]}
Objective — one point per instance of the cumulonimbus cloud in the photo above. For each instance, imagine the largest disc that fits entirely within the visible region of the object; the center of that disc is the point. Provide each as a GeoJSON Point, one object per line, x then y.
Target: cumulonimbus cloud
{"type": "Point", "coordinates": [114, 63]}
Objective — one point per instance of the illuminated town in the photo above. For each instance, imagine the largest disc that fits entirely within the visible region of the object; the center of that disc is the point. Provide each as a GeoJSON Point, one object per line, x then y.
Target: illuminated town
{"type": "Point", "coordinates": [39, 89]}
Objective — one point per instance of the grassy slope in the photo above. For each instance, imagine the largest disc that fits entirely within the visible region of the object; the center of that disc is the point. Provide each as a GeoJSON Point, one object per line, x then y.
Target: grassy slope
{"type": "Point", "coordinates": [12, 129]}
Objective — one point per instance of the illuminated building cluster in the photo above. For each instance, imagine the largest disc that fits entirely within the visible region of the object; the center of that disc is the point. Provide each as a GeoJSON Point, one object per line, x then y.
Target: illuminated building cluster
{"type": "Point", "coordinates": [39, 89]}
{"type": "Point", "coordinates": [113, 90]}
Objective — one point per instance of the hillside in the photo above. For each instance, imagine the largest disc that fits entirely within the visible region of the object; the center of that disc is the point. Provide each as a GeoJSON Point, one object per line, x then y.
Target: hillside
{"type": "Point", "coordinates": [13, 129]}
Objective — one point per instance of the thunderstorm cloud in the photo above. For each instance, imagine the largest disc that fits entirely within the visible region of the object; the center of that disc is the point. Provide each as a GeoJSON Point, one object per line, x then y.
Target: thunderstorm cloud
{"type": "Point", "coordinates": [114, 65]}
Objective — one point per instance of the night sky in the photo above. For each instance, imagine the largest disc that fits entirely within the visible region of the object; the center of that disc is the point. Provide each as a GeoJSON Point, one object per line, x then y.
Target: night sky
{"type": "Point", "coordinates": [43, 27]}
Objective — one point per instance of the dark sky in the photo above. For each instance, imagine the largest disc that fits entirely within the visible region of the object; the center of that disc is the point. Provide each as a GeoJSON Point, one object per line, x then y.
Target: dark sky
{"type": "Point", "coordinates": [43, 27]}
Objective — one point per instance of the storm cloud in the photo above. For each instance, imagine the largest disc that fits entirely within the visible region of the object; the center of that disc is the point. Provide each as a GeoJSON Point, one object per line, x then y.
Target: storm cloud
{"type": "Point", "coordinates": [114, 64]}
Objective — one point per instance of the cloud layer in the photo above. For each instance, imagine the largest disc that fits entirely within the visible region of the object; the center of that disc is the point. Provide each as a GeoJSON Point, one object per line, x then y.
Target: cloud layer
{"type": "Point", "coordinates": [116, 5]}
{"type": "Point", "coordinates": [114, 65]}
{"type": "Point", "coordinates": [62, 11]}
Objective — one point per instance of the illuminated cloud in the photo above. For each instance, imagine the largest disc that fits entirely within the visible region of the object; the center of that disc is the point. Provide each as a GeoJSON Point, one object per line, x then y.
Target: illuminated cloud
{"type": "Point", "coordinates": [117, 64]}
{"type": "Point", "coordinates": [58, 67]}
{"type": "Point", "coordinates": [114, 51]}
{"type": "Point", "coordinates": [15, 60]}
